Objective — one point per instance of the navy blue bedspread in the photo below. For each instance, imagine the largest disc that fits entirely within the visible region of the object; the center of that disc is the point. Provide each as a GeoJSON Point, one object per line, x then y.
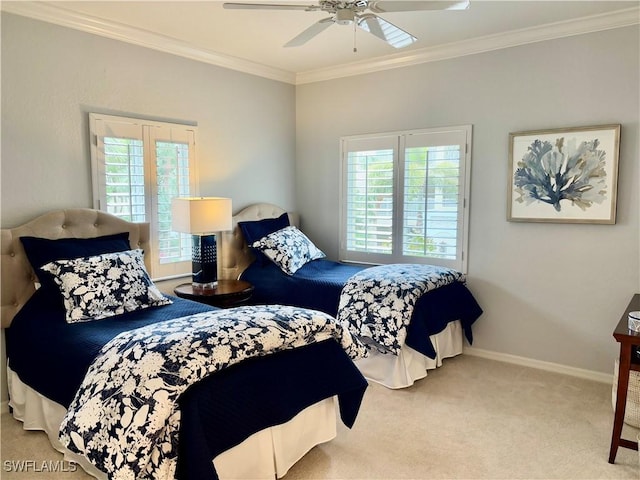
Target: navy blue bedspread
{"type": "Point", "coordinates": [318, 285]}
{"type": "Point", "coordinates": [218, 413]}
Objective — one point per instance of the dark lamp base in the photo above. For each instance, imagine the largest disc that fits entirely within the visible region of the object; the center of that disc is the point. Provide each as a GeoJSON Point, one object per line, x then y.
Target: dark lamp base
{"type": "Point", "coordinates": [204, 262]}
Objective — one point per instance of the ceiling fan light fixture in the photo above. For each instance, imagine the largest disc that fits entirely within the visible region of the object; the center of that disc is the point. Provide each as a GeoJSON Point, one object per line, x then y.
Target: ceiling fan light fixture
{"type": "Point", "coordinates": [344, 16]}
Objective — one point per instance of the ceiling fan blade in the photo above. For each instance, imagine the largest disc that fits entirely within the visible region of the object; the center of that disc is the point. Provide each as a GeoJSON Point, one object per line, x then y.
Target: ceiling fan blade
{"type": "Point", "coordinates": [394, 36]}
{"type": "Point", "coordinates": [370, 23]}
{"type": "Point", "coordinates": [381, 6]}
{"type": "Point", "coordinates": [310, 32]}
{"type": "Point", "coordinates": [270, 6]}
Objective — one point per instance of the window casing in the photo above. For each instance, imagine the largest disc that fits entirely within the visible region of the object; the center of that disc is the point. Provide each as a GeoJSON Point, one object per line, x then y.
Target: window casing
{"type": "Point", "coordinates": [404, 197]}
{"type": "Point", "coordinates": [138, 166]}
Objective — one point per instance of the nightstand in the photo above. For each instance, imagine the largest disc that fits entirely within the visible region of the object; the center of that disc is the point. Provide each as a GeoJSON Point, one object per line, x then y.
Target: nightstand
{"type": "Point", "coordinates": [226, 294]}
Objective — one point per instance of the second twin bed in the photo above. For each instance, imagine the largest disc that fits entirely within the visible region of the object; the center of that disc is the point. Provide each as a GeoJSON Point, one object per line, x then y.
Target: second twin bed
{"type": "Point", "coordinates": [266, 249]}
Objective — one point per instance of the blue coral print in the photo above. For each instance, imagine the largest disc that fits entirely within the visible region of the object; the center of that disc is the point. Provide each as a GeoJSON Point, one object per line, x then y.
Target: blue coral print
{"type": "Point", "coordinates": [562, 171]}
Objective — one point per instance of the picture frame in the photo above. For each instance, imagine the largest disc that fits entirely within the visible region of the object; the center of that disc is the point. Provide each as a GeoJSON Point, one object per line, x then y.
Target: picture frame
{"type": "Point", "coordinates": [564, 175]}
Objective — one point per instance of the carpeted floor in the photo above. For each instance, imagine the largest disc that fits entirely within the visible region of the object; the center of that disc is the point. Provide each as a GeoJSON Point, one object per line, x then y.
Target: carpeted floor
{"type": "Point", "coordinates": [472, 419]}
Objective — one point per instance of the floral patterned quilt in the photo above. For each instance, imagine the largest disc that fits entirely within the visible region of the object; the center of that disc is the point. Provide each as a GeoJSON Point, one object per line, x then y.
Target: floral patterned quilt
{"type": "Point", "coordinates": [376, 304]}
{"type": "Point", "coordinates": [125, 417]}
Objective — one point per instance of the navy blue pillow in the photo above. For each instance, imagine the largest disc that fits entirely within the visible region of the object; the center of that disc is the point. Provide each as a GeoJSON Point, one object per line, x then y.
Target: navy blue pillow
{"type": "Point", "coordinates": [258, 229]}
{"type": "Point", "coordinates": [41, 251]}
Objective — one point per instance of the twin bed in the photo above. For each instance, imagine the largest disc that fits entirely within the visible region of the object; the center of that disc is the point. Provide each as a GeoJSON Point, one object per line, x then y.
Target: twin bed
{"type": "Point", "coordinates": [240, 419]}
{"type": "Point", "coordinates": [441, 319]}
{"type": "Point", "coordinates": [254, 419]}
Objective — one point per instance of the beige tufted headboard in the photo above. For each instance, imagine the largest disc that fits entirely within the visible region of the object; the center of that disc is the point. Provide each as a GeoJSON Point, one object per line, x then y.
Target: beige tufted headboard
{"type": "Point", "coordinates": [17, 280]}
{"type": "Point", "coordinates": [234, 252]}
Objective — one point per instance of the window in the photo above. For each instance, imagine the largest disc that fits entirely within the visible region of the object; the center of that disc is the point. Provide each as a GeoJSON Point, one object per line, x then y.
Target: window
{"type": "Point", "coordinates": [404, 197]}
{"type": "Point", "coordinates": [138, 166]}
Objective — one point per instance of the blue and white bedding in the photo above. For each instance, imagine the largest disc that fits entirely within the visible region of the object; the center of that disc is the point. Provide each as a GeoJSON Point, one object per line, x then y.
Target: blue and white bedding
{"type": "Point", "coordinates": [316, 285]}
{"type": "Point", "coordinates": [377, 303]}
{"type": "Point", "coordinates": [125, 416]}
{"type": "Point", "coordinates": [319, 283]}
{"type": "Point", "coordinates": [217, 412]}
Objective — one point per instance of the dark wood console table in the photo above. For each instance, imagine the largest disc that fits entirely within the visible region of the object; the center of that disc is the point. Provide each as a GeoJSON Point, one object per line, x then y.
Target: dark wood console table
{"type": "Point", "coordinates": [629, 360]}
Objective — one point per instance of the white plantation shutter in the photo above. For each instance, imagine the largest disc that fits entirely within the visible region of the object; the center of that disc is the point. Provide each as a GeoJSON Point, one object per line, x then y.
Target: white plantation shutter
{"type": "Point", "coordinates": [403, 197]}
{"type": "Point", "coordinates": [369, 193]}
{"type": "Point", "coordinates": [138, 167]}
{"type": "Point", "coordinates": [173, 176]}
{"type": "Point", "coordinates": [124, 170]}
{"type": "Point", "coordinates": [433, 220]}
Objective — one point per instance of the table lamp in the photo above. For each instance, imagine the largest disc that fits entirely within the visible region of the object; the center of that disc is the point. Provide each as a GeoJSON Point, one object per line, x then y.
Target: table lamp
{"type": "Point", "coordinates": [202, 217]}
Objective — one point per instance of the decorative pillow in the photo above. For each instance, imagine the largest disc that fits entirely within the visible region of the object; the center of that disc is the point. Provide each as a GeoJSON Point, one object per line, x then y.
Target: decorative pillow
{"type": "Point", "coordinates": [289, 248]}
{"type": "Point", "coordinates": [104, 285]}
{"type": "Point", "coordinates": [41, 251]}
{"type": "Point", "coordinates": [255, 230]}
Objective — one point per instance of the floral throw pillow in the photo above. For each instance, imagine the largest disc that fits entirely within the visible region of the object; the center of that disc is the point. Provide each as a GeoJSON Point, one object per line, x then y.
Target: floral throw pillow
{"type": "Point", "coordinates": [104, 285]}
{"type": "Point", "coordinates": [288, 248]}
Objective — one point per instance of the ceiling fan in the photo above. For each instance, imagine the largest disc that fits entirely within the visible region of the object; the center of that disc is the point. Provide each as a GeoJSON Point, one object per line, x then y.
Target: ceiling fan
{"type": "Point", "coordinates": [344, 12]}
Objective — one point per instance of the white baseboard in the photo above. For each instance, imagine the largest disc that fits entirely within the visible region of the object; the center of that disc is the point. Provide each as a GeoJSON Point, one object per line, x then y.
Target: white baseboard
{"type": "Point", "coordinates": [539, 364]}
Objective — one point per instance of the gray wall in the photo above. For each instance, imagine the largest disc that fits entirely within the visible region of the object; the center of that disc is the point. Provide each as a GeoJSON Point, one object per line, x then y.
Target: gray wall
{"type": "Point", "coordinates": [53, 76]}
{"type": "Point", "coordinates": [550, 292]}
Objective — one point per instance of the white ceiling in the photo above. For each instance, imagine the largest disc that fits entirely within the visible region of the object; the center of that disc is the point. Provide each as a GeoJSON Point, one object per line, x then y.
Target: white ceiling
{"type": "Point", "coordinates": [252, 40]}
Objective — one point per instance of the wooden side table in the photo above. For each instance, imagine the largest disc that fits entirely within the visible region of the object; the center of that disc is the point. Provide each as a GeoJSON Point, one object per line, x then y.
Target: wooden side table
{"type": "Point", "coordinates": [629, 360]}
{"type": "Point", "coordinates": [226, 294]}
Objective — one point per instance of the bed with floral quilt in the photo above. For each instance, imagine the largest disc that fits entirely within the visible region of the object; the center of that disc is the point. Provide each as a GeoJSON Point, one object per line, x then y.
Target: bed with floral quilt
{"type": "Point", "coordinates": [132, 383]}
{"type": "Point", "coordinates": [410, 316]}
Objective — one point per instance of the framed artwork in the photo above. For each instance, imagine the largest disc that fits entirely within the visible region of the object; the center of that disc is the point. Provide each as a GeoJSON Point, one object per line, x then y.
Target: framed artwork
{"type": "Point", "coordinates": [564, 175]}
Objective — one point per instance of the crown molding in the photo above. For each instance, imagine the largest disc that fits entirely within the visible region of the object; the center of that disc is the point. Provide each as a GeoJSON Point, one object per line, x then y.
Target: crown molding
{"type": "Point", "coordinates": [116, 31]}
{"type": "Point", "coordinates": [594, 23]}
{"type": "Point", "coordinates": [59, 16]}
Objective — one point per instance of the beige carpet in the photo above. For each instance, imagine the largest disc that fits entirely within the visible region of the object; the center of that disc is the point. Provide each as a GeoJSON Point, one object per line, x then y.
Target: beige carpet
{"type": "Point", "coordinates": [472, 419]}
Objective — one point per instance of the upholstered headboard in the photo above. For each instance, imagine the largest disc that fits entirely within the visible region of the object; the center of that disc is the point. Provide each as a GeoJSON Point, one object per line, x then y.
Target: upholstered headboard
{"type": "Point", "coordinates": [234, 252]}
{"type": "Point", "coordinates": [17, 275]}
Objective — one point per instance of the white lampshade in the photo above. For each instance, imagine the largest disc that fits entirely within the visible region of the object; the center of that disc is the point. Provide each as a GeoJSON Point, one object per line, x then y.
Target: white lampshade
{"type": "Point", "coordinates": [201, 215]}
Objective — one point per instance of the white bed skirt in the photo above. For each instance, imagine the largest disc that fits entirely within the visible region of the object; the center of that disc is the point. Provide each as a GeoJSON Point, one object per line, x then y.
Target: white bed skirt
{"type": "Point", "coordinates": [401, 371]}
{"type": "Point", "coordinates": [265, 455]}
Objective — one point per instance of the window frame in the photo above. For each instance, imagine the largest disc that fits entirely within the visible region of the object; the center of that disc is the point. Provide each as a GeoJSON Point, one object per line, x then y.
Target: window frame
{"type": "Point", "coordinates": [149, 131]}
{"type": "Point", "coordinates": [398, 140]}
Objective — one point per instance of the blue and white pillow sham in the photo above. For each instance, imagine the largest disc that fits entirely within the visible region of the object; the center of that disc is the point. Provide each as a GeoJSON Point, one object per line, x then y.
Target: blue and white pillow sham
{"type": "Point", "coordinates": [288, 248]}
{"type": "Point", "coordinates": [104, 285]}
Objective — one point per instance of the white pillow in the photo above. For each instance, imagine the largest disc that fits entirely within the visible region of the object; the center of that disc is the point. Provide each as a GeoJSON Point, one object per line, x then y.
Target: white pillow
{"type": "Point", "coordinates": [104, 285]}
{"type": "Point", "coordinates": [288, 248]}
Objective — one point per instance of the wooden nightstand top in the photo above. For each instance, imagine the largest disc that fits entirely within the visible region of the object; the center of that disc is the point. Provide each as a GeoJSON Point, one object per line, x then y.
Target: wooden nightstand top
{"type": "Point", "coordinates": [227, 293]}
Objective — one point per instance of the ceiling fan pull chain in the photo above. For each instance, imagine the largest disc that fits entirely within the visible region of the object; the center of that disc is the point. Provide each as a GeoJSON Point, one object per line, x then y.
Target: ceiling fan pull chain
{"type": "Point", "coordinates": [355, 47]}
